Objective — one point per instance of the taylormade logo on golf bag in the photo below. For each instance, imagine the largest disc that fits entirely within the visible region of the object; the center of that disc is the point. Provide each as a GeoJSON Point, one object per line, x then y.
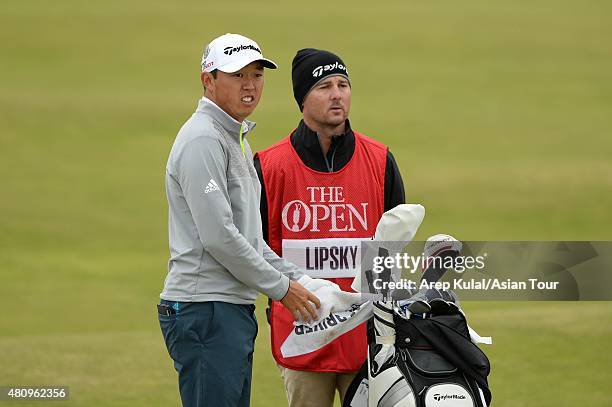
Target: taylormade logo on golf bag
{"type": "Point", "coordinates": [231, 50]}
{"type": "Point", "coordinates": [442, 397]}
{"type": "Point", "coordinates": [318, 71]}
{"type": "Point", "coordinates": [326, 203]}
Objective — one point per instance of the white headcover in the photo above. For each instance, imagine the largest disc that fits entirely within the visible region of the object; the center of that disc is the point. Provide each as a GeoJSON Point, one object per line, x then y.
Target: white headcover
{"type": "Point", "coordinates": [399, 224]}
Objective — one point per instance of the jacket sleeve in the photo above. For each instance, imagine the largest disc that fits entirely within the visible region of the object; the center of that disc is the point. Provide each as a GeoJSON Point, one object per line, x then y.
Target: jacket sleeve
{"type": "Point", "coordinates": [287, 268]}
{"type": "Point", "coordinates": [204, 159]}
{"type": "Point", "coordinates": [394, 186]}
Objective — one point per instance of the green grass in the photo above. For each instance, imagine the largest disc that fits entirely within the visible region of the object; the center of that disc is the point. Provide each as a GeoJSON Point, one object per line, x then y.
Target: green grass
{"type": "Point", "coordinates": [498, 114]}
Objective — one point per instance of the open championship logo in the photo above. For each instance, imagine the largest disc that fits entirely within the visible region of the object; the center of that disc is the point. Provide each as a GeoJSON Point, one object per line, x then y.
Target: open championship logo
{"type": "Point", "coordinates": [231, 50]}
{"type": "Point", "coordinates": [318, 71]}
{"type": "Point", "coordinates": [325, 204]}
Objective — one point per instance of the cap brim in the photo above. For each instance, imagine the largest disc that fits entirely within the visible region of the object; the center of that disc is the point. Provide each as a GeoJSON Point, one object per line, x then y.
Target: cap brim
{"type": "Point", "coordinates": [236, 66]}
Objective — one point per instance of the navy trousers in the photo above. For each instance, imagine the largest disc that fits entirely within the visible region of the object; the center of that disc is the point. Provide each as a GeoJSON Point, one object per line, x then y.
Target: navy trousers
{"type": "Point", "coordinates": [212, 346]}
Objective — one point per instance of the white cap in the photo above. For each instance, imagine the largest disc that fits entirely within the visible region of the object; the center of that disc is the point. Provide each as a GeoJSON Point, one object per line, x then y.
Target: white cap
{"type": "Point", "coordinates": [232, 52]}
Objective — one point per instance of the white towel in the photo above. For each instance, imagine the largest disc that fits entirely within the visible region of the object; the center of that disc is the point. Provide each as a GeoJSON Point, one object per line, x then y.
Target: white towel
{"type": "Point", "coordinates": [306, 338]}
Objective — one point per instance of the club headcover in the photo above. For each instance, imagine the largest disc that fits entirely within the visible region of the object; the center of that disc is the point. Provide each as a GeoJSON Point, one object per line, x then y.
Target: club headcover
{"type": "Point", "coordinates": [399, 224]}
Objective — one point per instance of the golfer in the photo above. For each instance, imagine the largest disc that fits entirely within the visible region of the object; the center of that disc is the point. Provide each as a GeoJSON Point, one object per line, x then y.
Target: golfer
{"type": "Point", "coordinates": [218, 258]}
{"type": "Point", "coordinates": [326, 187]}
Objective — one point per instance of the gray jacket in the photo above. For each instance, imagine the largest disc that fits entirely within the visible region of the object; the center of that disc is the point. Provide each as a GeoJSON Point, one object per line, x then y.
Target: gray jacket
{"type": "Point", "coordinates": [217, 251]}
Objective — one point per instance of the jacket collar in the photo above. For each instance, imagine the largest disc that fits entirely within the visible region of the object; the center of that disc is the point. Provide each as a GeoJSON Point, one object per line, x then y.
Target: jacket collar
{"type": "Point", "coordinates": [306, 144]}
{"type": "Point", "coordinates": [227, 122]}
{"type": "Point", "coordinates": [308, 139]}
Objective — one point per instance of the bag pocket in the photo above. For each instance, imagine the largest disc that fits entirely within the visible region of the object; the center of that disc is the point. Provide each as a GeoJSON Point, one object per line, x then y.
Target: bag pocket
{"type": "Point", "coordinates": [428, 362]}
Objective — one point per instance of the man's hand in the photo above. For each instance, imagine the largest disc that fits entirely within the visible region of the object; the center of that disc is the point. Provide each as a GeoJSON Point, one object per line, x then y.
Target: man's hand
{"type": "Point", "coordinates": [299, 301]}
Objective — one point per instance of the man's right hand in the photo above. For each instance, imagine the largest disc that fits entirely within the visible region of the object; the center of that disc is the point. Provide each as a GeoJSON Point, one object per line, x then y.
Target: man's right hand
{"type": "Point", "coordinates": [299, 301]}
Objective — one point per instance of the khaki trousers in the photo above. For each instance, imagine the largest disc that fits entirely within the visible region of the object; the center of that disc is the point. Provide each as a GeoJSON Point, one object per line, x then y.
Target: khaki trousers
{"type": "Point", "coordinates": [314, 389]}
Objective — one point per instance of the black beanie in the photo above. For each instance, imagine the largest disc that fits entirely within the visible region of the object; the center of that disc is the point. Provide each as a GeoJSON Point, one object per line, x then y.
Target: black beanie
{"type": "Point", "coordinates": [310, 66]}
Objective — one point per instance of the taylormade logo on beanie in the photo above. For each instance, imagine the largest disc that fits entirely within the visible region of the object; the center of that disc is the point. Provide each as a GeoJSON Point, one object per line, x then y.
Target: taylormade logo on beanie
{"type": "Point", "coordinates": [232, 52]}
{"type": "Point", "coordinates": [318, 71]}
{"type": "Point", "coordinates": [311, 66]}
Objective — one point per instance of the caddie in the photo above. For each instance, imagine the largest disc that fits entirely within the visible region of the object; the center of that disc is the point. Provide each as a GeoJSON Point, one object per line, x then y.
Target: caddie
{"type": "Point", "coordinates": [324, 188]}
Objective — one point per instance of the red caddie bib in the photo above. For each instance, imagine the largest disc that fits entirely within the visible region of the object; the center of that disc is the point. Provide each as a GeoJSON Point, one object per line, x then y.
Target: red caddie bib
{"type": "Point", "coordinates": [317, 221]}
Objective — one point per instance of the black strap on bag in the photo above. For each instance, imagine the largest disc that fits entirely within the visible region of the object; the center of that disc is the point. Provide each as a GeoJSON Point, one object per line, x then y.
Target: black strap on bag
{"type": "Point", "coordinates": [446, 337]}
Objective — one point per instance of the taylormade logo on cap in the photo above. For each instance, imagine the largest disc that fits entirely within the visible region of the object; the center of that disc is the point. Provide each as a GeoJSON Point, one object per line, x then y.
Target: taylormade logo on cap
{"type": "Point", "coordinates": [231, 52]}
{"type": "Point", "coordinates": [318, 71]}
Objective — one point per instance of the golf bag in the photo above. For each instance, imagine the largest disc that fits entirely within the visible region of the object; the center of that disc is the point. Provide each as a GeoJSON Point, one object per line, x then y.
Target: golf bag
{"type": "Point", "coordinates": [420, 362]}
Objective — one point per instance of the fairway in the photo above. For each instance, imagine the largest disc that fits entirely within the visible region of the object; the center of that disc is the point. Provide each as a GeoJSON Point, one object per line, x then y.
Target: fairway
{"type": "Point", "coordinates": [499, 115]}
